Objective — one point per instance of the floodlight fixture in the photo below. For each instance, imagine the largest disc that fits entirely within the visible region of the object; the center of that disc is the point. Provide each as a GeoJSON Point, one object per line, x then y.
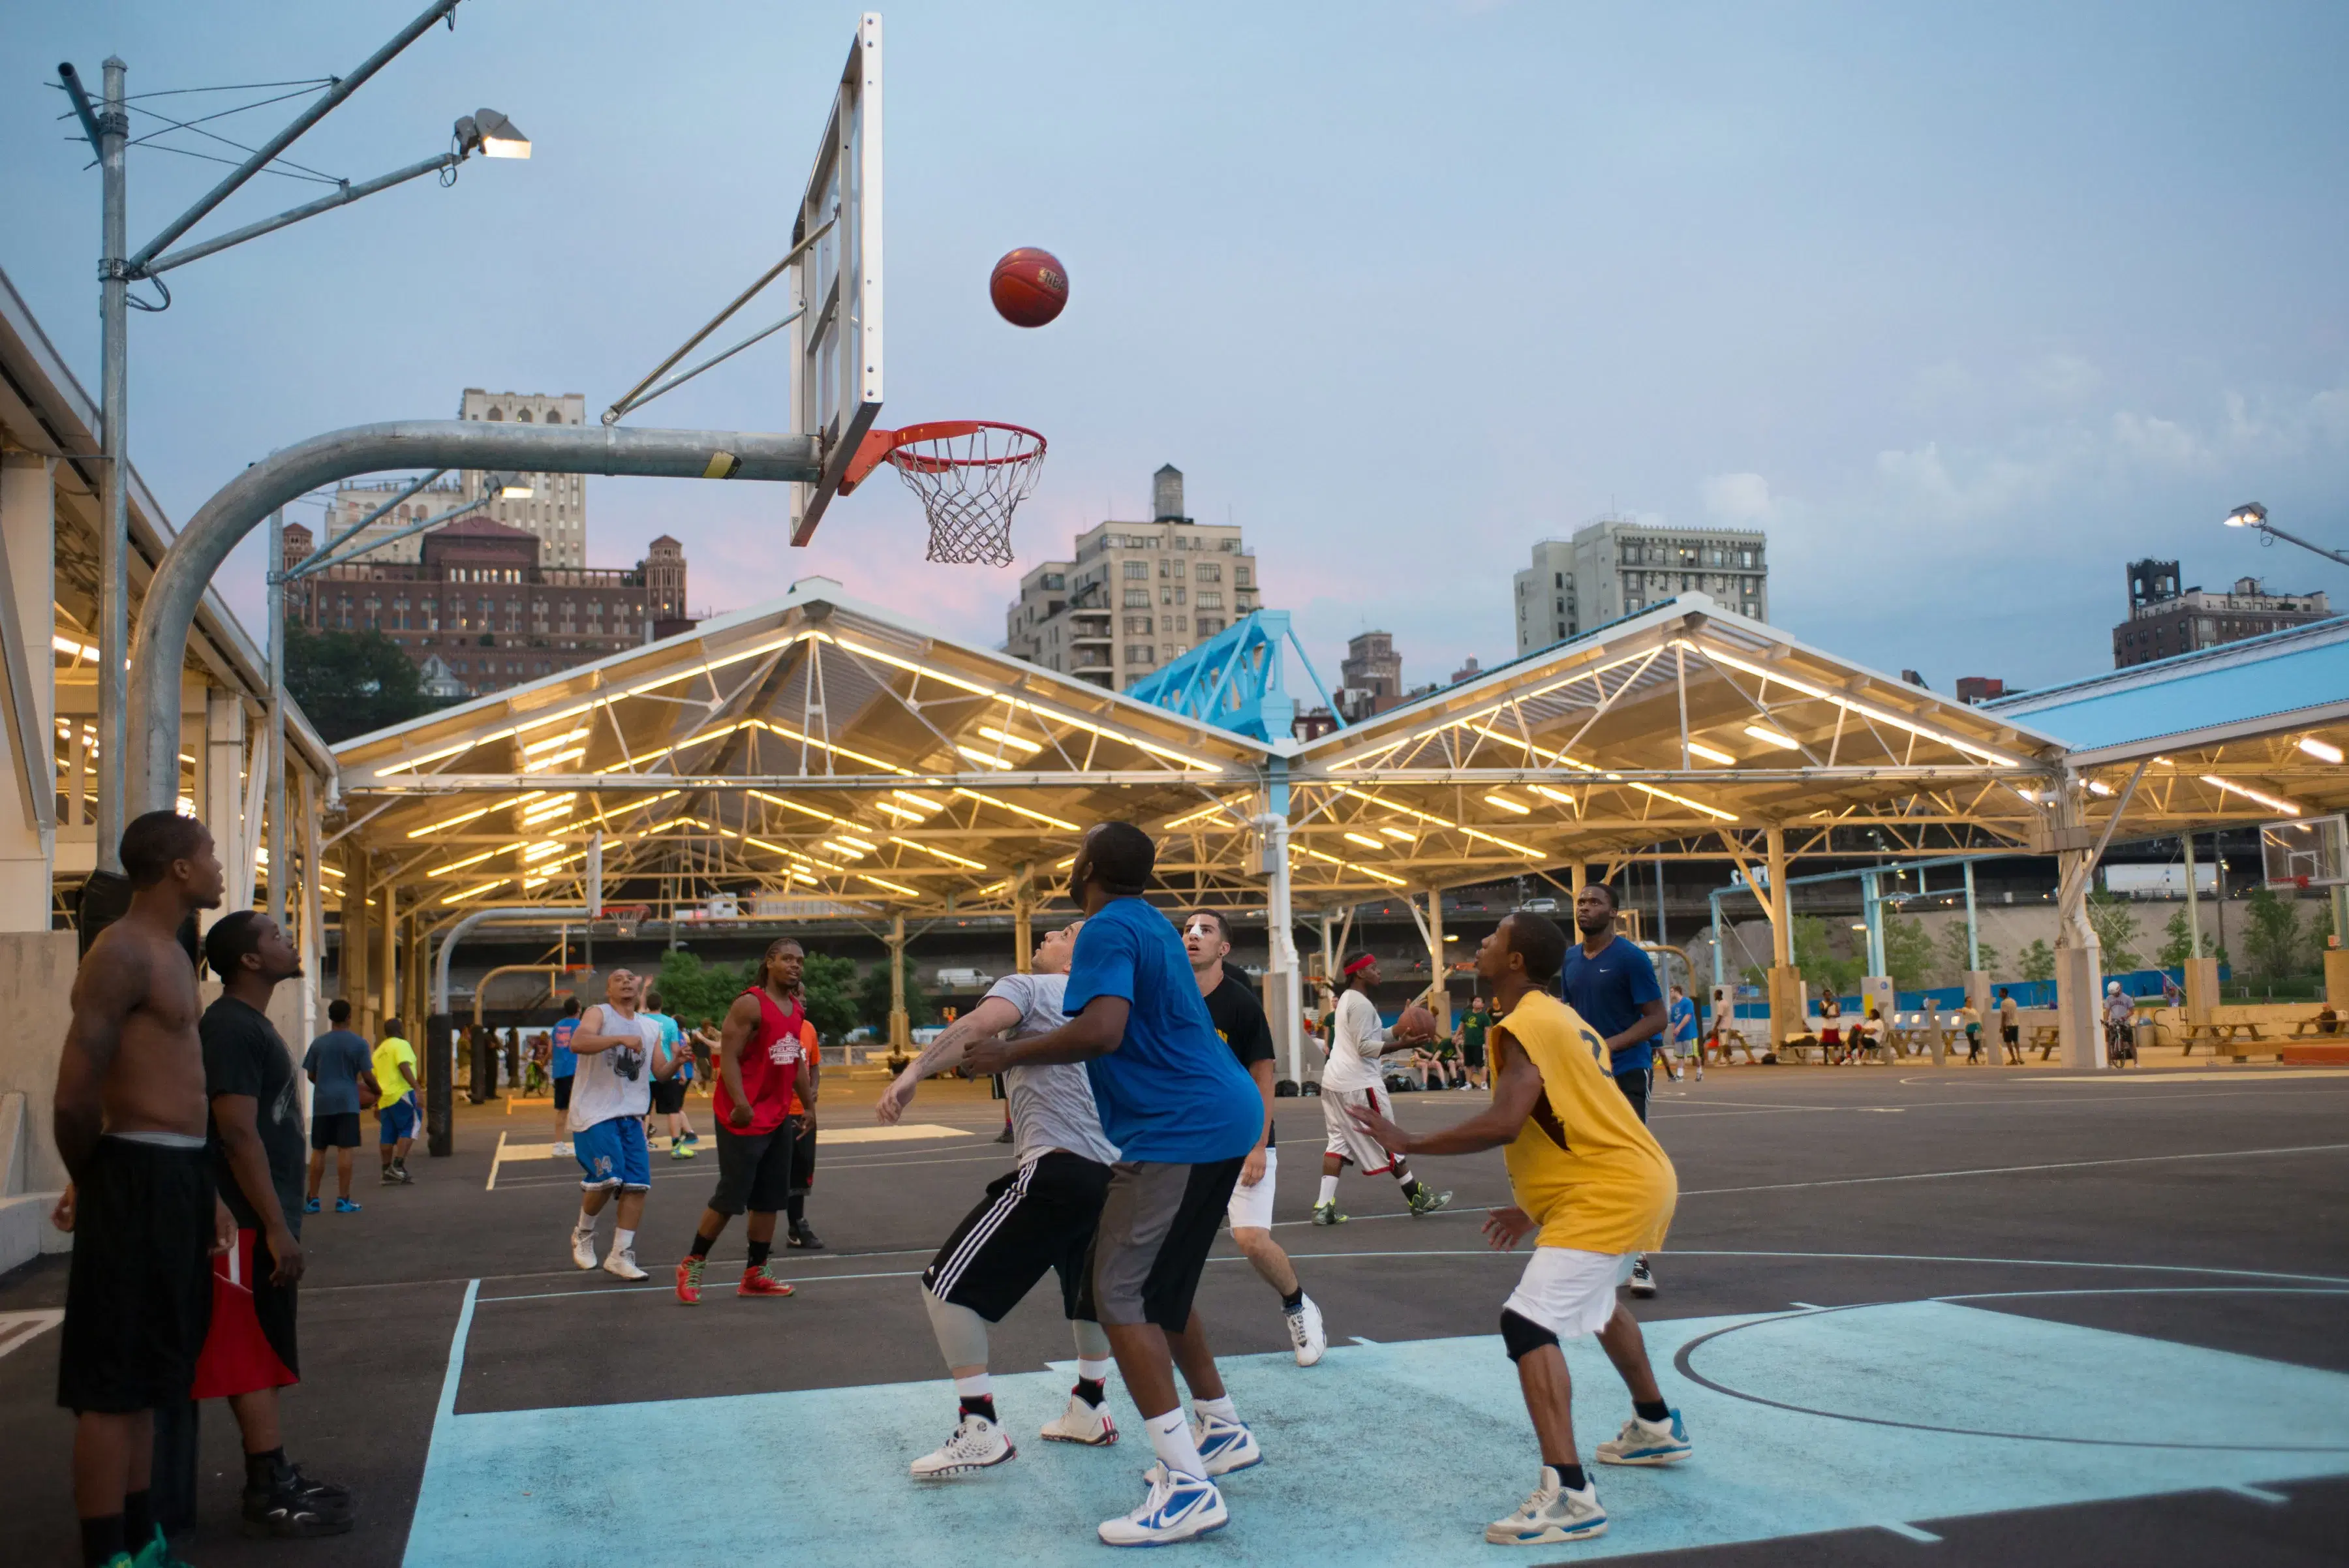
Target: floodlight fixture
{"type": "Point", "coordinates": [491, 134]}
{"type": "Point", "coordinates": [2251, 515]}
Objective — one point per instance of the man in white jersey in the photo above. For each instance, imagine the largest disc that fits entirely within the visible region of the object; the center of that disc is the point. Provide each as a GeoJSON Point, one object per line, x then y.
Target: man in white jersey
{"type": "Point", "coordinates": [1352, 1077]}
{"type": "Point", "coordinates": [1039, 1216]}
{"type": "Point", "coordinates": [620, 1053]}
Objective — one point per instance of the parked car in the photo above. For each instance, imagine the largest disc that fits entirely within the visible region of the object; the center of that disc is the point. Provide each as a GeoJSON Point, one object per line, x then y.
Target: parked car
{"type": "Point", "coordinates": [964, 979]}
{"type": "Point", "coordinates": [1539, 906]}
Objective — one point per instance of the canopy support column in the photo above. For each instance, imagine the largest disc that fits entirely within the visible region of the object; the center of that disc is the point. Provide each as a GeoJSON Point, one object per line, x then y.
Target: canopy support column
{"type": "Point", "coordinates": [1786, 1006]}
{"type": "Point", "coordinates": [901, 1034]}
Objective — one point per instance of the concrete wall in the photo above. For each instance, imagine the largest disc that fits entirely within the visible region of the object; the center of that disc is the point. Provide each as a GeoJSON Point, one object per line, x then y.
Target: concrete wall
{"type": "Point", "coordinates": [36, 971]}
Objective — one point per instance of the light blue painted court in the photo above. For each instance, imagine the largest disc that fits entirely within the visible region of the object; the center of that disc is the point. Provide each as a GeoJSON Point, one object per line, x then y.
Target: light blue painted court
{"type": "Point", "coordinates": [1399, 1453]}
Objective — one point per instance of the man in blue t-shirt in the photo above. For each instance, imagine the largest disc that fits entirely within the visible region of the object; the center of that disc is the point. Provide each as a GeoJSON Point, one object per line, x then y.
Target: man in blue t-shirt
{"type": "Point", "coordinates": [339, 1066]}
{"type": "Point", "coordinates": [562, 1065]}
{"type": "Point", "coordinates": [1612, 984]}
{"type": "Point", "coordinates": [1184, 1116]}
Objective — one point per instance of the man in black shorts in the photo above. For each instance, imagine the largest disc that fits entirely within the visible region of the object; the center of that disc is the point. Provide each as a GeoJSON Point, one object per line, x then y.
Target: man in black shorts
{"type": "Point", "coordinates": [256, 1139]}
{"type": "Point", "coordinates": [341, 1069]}
{"type": "Point", "coordinates": [1472, 1029]}
{"type": "Point", "coordinates": [130, 1124]}
{"type": "Point", "coordinates": [1184, 1116]}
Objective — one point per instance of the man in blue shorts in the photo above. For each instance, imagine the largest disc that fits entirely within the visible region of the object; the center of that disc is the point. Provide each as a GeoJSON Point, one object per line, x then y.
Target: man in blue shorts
{"type": "Point", "coordinates": [1184, 1116]}
{"type": "Point", "coordinates": [620, 1055]}
{"type": "Point", "coordinates": [562, 1065]}
{"type": "Point", "coordinates": [1612, 984]}
{"type": "Point", "coordinates": [338, 1066]}
{"type": "Point", "coordinates": [395, 1112]}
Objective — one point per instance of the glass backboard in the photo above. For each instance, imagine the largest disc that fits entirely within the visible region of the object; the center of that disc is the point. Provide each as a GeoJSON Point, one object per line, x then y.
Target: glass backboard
{"type": "Point", "coordinates": [836, 340]}
{"type": "Point", "coordinates": [2305, 853]}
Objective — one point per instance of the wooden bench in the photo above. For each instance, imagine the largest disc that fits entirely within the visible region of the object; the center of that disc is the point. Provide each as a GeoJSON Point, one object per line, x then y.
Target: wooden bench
{"type": "Point", "coordinates": [2317, 1024]}
{"type": "Point", "coordinates": [2046, 1036]}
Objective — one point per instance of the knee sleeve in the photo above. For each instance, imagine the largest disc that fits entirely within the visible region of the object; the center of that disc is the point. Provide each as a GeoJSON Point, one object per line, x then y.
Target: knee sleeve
{"type": "Point", "coordinates": [1093, 1345]}
{"type": "Point", "coordinates": [1522, 1335]}
{"type": "Point", "coordinates": [962, 1333]}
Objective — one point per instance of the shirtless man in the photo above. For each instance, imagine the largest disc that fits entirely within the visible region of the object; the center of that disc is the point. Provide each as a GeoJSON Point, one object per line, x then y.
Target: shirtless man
{"type": "Point", "coordinates": [130, 1125]}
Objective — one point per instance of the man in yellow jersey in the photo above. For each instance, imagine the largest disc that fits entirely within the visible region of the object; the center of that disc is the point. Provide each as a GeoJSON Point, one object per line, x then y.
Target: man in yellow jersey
{"type": "Point", "coordinates": [1588, 1177]}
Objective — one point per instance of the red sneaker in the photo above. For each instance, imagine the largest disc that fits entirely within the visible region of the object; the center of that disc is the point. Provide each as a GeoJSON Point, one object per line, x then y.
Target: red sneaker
{"type": "Point", "coordinates": [689, 1279]}
{"type": "Point", "coordinates": [761, 1282]}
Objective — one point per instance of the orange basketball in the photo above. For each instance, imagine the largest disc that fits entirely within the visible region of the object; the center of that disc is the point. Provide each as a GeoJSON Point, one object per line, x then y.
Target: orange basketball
{"type": "Point", "coordinates": [1416, 1022]}
{"type": "Point", "coordinates": [1028, 286]}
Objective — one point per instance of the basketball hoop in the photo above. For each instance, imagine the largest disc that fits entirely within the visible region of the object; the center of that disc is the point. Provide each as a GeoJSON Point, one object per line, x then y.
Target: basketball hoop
{"type": "Point", "coordinates": [971, 475]}
{"type": "Point", "coordinates": [627, 917]}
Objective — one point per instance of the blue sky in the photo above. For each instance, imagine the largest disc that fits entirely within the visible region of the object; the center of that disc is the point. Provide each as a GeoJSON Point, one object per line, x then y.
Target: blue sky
{"type": "Point", "coordinates": [1966, 307]}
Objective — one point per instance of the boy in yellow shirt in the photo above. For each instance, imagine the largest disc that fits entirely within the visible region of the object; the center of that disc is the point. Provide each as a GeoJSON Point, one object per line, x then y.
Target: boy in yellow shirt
{"type": "Point", "coordinates": [1589, 1177]}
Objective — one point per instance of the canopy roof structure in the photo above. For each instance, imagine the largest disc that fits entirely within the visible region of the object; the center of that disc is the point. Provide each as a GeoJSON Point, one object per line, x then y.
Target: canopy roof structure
{"type": "Point", "coordinates": [2247, 733]}
{"type": "Point", "coordinates": [826, 756]}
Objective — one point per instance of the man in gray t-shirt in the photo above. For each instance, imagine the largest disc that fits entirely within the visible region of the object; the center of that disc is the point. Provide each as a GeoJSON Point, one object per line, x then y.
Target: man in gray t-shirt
{"type": "Point", "coordinates": [1039, 1216]}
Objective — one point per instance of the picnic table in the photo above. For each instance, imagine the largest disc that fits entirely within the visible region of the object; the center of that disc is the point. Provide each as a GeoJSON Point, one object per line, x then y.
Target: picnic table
{"type": "Point", "coordinates": [2220, 1034]}
{"type": "Point", "coordinates": [2315, 1024]}
{"type": "Point", "coordinates": [2046, 1036]}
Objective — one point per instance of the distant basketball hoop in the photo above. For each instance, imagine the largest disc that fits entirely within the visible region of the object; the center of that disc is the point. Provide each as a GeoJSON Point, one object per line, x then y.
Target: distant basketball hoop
{"type": "Point", "coordinates": [2308, 852]}
{"type": "Point", "coordinates": [971, 475]}
{"type": "Point", "coordinates": [627, 917]}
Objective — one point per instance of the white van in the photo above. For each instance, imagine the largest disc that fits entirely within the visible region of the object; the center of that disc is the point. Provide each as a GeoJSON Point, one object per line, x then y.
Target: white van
{"type": "Point", "coordinates": [964, 979]}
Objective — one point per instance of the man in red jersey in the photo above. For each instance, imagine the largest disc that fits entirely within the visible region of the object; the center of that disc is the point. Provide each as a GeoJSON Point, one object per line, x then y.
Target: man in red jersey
{"type": "Point", "coordinates": [761, 1060]}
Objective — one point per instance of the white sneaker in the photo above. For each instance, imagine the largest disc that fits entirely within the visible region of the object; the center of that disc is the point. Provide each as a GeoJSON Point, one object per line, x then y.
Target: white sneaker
{"type": "Point", "coordinates": [1082, 1423]}
{"type": "Point", "coordinates": [1643, 1282]}
{"type": "Point", "coordinates": [1551, 1515]}
{"type": "Point", "coordinates": [562, 1151]}
{"type": "Point", "coordinates": [621, 1263]}
{"type": "Point", "coordinates": [1226, 1446]}
{"type": "Point", "coordinates": [977, 1443]}
{"type": "Point", "coordinates": [583, 1248]}
{"type": "Point", "coordinates": [1177, 1508]}
{"type": "Point", "coordinates": [1305, 1333]}
{"type": "Point", "coordinates": [1641, 1442]}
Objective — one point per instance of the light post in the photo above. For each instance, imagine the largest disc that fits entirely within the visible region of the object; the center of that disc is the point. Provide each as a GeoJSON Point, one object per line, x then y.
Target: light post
{"type": "Point", "coordinates": [2251, 514]}
{"type": "Point", "coordinates": [107, 126]}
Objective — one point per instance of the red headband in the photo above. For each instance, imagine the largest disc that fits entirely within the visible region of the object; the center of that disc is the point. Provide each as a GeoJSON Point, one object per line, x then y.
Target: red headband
{"type": "Point", "coordinates": [1359, 964]}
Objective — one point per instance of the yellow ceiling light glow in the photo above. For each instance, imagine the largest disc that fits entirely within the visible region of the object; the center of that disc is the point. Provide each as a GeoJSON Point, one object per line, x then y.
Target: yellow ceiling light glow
{"type": "Point", "coordinates": [569, 735]}
{"type": "Point", "coordinates": [1048, 819]}
{"type": "Point", "coordinates": [1008, 739]}
{"type": "Point", "coordinates": [1398, 832]}
{"type": "Point", "coordinates": [1365, 840]}
{"type": "Point", "coordinates": [884, 882]}
{"type": "Point", "coordinates": [902, 813]}
{"type": "Point", "coordinates": [2323, 750]}
{"type": "Point", "coordinates": [1559, 795]}
{"type": "Point", "coordinates": [1770, 737]}
{"type": "Point", "coordinates": [2273, 803]}
{"type": "Point", "coordinates": [1560, 759]}
{"type": "Point", "coordinates": [1865, 709]}
{"type": "Point", "coordinates": [945, 855]}
{"type": "Point", "coordinates": [456, 866]}
{"type": "Point", "coordinates": [923, 801]}
{"type": "Point", "coordinates": [1505, 803]}
{"type": "Point", "coordinates": [983, 760]}
{"type": "Point", "coordinates": [1711, 753]}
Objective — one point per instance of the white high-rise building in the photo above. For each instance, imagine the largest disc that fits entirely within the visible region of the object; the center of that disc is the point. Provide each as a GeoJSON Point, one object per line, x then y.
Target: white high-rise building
{"type": "Point", "coordinates": [1615, 568]}
{"type": "Point", "coordinates": [1135, 595]}
{"type": "Point", "coordinates": [556, 509]}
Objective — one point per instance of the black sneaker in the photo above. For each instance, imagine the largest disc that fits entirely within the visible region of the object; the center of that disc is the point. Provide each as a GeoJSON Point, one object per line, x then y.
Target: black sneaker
{"type": "Point", "coordinates": [404, 1179]}
{"type": "Point", "coordinates": [293, 1507]}
{"type": "Point", "coordinates": [805, 1239]}
{"type": "Point", "coordinates": [1003, 1137]}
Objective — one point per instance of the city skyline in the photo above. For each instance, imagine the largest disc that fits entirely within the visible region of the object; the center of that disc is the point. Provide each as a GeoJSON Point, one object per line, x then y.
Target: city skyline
{"type": "Point", "coordinates": [1963, 312]}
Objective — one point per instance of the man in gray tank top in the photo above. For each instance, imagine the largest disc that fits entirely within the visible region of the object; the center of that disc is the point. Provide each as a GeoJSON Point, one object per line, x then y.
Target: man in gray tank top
{"type": "Point", "coordinates": [1039, 1216]}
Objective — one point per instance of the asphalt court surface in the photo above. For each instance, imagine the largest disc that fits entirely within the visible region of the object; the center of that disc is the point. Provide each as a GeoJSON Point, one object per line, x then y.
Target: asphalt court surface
{"type": "Point", "coordinates": [1984, 1316]}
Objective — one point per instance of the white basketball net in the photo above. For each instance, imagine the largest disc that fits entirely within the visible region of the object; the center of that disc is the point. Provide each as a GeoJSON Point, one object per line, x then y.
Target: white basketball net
{"type": "Point", "coordinates": [970, 480]}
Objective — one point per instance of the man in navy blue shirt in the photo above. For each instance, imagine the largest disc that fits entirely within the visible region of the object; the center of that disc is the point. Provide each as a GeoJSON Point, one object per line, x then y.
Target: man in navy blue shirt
{"type": "Point", "coordinates": [1612, 984]}
{"type": "Point", "coordinates": [1184, 1116]}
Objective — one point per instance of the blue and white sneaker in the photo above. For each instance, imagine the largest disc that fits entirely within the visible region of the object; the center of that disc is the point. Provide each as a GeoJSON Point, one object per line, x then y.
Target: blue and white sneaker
{"type": "Point", "coordinates": [1550, 1516]}
{"type": "Point", "coordinates": [1647, 1443]}
{"type": "Point", "coordinates": [1226, 1446]}
{"type": "Point", "coordinates": [1178, 1508]}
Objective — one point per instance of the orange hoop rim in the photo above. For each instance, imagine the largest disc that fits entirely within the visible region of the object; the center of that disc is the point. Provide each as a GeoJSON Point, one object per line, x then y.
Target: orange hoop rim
{"type": "Point", "coordinates": [888, 446]}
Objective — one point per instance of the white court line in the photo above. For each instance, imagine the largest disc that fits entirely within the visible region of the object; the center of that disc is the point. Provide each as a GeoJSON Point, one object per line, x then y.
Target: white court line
{"type": "Point", "coordinates": [18, 1329]}
{"type": "Point", "coordinates": [496, 1157]}
{"type": "Point", "coordinates": [2015, 1170]}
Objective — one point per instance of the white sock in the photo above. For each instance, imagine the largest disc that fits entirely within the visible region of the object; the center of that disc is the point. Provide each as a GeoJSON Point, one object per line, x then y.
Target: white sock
{"type": "Point", "coordinates": [1221, 1409]}
{"type": "Point", "coordinates": [979, 1386]}
{"type": "Point", "coordinates": [586, 1226]}
{"type": "Point", "coordinates": [624, 1240]}
{"type": "Point", "coordinates": [1329, 1190]}
{"type": "Point", "coordinates": [1170, 1439]}
{"type": "Point", "coordinates": [1094, 1371]}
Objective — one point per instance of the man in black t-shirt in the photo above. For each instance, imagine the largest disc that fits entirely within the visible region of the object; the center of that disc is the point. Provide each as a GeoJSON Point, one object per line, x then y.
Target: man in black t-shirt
{"type": "Point", "coordinates": [1239, 1019]}
{"type": "Point", "coordinates": [258, 1162]}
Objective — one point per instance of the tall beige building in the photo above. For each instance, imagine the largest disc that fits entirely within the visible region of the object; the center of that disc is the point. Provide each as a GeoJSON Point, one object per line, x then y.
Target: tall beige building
{"type": "Point", "coordinates": [556, 509]}
{"type": "Point", "coordinates": [1135, 595]}
{"type": "Point", "coordinates": [1616, 566]}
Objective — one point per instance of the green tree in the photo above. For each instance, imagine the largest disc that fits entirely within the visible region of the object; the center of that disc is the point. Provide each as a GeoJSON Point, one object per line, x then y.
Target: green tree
{"type": "Point", "coordinates": [2178, 944]}
{"type": "Point", "coordinates": [1817, 960]}
{"type": "Point", "coordinates": [2116, 928]}
{"type": "Point", "coordinates": [1908, 952]}
{"type": "Point", "coordinates": [872, 999]}
{"type": "Point", "coordinates": [2038, 960]}
{"type": "Point", "coordinates": [828, 993]}
{"type": "Point", "coordinates": [2273, 938]}
{"type": "Point", "coordinates": [691, 990]}
{"type": "Point", "coordinates": [351, 682]}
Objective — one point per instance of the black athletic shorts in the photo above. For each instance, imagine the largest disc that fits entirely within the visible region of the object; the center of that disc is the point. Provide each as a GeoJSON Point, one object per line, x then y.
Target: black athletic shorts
{"type": "Point", "coordinates": [1472, 1051]}
{"type": "Point", "coordinates": [1157, 1223]}
{"type": "Point", "coordinates": [138, 1291]}
{"type": "Point", "coordinates": [562, 1093]}
{"type": "Point", "coordinates": [335, 1129]}
{"type": "Point", "coordinates": [1635, 1089]}
{"type": "Point", "coordinates": [754, 1171]}
{"type": "Point", "coordinates": [669, 1096]}
{"type": "Point", "coordinates": [802, 1133]}
{"type": "Point", "coordinates": [1038, 1217]}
